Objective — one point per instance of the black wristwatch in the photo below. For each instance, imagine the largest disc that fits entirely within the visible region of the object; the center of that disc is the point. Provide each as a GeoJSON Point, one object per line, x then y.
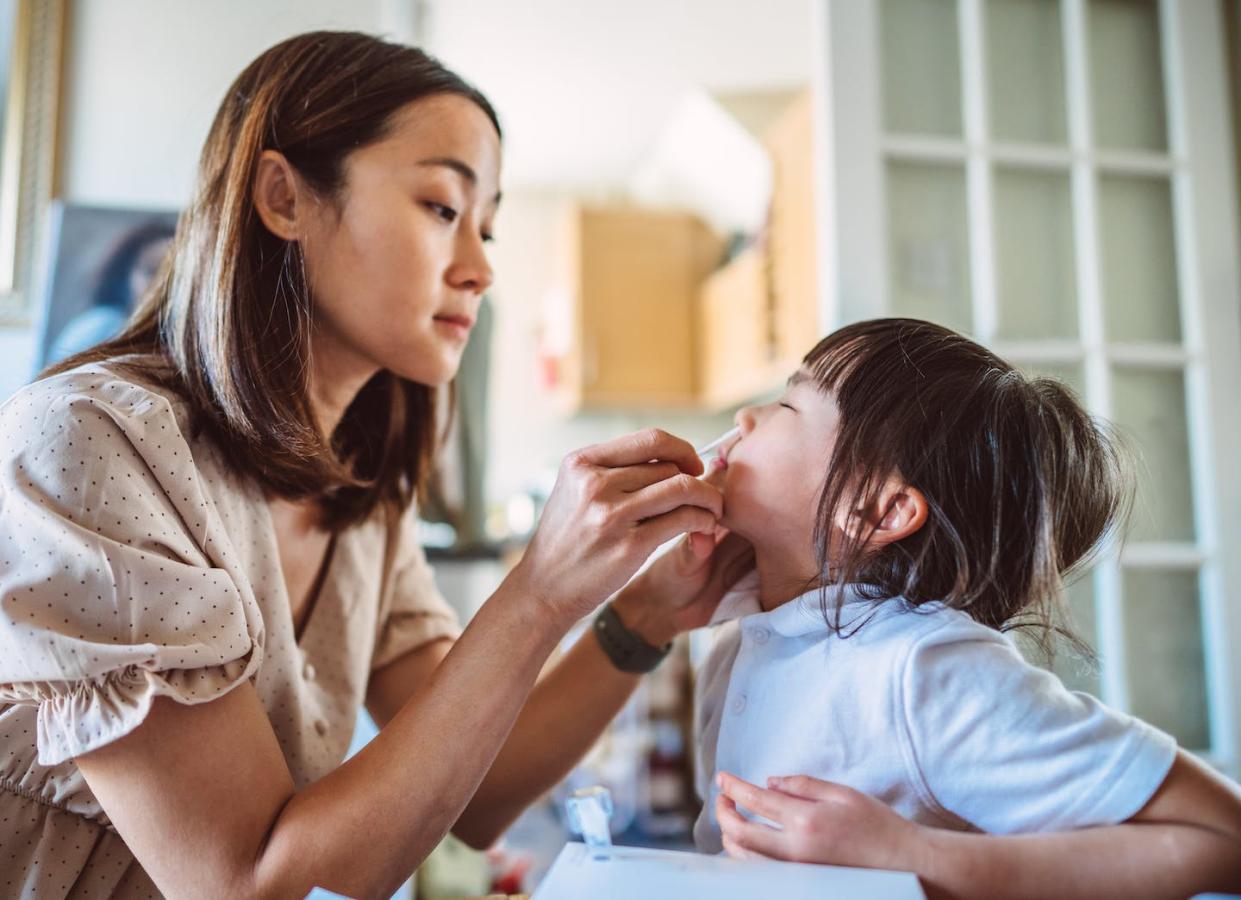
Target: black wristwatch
{"type": "Point", "coordinates": [628, 651]}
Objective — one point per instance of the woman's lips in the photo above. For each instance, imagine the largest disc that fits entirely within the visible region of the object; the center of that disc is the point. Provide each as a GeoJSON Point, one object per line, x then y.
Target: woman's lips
{"type": "Point", "coordinates": [458, 324]}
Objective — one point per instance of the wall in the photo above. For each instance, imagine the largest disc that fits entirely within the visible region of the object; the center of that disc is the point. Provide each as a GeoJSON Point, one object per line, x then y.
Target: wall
{"type": "Point", "coordinates": [581, 89]}
{"type": "Point", "coordinates": [142, 79]}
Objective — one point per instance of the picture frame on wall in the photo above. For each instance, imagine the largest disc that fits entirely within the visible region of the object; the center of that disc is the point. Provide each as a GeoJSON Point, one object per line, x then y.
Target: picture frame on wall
{"type": "Point", "coordinates": [100, 261]}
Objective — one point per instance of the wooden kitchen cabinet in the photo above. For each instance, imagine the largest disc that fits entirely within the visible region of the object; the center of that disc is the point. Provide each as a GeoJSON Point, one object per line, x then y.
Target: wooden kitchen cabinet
{"type": "Point", "coordinates": [629, 281]}
{"type": "Point", "coordinates": [735, 340]}
{"type": "Point", "coordinates": [760, 313]}
{"type": "Point", "coordinates": [791, 237]}
{"type": "Point", "coordinates": [644, 315]}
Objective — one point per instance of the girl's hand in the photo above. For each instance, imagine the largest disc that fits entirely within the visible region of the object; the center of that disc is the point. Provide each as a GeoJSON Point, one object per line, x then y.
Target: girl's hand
{"type": "Point", "coordinates": [682, 588]}
{"type": "Point", "coordinates": [820, 822]}
{"type": "Point", "coordinates": [612, 505]}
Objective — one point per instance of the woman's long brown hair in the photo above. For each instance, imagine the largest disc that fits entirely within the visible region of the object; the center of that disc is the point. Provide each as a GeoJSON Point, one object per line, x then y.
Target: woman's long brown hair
{"type": "Point", "coordinates": [228, 316]}
{"type": "Point", "coordinates": [1022, 485]}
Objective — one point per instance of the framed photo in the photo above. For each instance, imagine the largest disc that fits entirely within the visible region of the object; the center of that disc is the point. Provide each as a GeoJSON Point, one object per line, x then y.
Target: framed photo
{"type": "Point", "coordinates": [100, 260]}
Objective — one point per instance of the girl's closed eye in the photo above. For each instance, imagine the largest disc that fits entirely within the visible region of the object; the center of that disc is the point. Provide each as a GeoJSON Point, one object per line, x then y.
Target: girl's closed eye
{"type": "Point", "coordinates": [788, 405]}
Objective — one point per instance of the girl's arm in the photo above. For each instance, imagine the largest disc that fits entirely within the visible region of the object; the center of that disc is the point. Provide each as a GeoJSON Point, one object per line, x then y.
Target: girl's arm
{"type": "Point", "coordinates": [582, 693]}
{"type": "Point", "coordinates": [1187, 839]}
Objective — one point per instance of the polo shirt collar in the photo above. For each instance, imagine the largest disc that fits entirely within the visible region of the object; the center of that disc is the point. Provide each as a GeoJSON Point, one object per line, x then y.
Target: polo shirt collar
{"type": "Point", "coordinates": [800, 616]}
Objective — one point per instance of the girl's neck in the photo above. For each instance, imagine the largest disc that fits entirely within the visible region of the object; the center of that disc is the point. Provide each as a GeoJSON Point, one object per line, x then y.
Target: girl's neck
{"type": "Point", "coordinates": [782, 575]}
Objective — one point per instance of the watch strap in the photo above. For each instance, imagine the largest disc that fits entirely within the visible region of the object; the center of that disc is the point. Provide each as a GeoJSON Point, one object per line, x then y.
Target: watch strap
{"type": "Point", "coordinates": [628, 651]}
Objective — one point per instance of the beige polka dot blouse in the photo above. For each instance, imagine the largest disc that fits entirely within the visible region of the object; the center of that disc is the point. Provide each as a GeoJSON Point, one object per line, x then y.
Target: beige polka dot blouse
{"type": "Point", "coordinates": [133, 565]}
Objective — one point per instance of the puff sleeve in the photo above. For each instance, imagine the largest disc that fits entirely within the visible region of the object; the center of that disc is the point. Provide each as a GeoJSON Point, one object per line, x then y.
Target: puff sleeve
{"type": "Point", "coordinates": [413, 612]}
{"type": "Point", "coordinates": [117, 582]}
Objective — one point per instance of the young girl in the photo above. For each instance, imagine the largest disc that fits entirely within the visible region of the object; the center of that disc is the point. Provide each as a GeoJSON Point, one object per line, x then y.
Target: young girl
{"type": "Point", "coordinates": [909, 498]}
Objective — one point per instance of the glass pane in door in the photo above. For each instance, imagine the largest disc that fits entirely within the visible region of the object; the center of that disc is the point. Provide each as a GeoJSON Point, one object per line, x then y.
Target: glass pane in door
{"type": "Point", "coordinates": [1149, 404]}
{"type": "Point", "coordinates": [1025, 70]}
{"type": "Point", "coordinates": [1139, 259]}
{"type": "Point", "coordinates": [929, 243]}
{"type": "Point", "coordinates": [921, 67]}
{"type": "Point", "coordinates": [1163, 645]}
{"type": "Point", "coordinates": [1076, 670]}
{"type": "Point", "coordinates": [1035, 280]}
{"type": "Point", "coordinates": [1126, 75]}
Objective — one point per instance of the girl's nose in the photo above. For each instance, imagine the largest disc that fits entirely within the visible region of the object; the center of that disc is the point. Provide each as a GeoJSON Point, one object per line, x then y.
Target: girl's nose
{"type": "Point", "coordinates": [745, 419]}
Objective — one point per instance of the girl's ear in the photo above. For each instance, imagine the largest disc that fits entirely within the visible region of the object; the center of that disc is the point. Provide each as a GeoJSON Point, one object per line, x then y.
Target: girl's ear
{"type": "Point", "coordinates": [896, 511]}
{"type": "Point", "coordinates": [276, 195]}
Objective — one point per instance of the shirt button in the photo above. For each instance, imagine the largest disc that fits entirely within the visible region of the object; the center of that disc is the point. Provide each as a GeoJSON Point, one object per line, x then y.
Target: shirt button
{"type": "Point", "coordinates": [308, 671]}
{"type": "Point", "coordinates": [320, 727]}
{"type": "Point", "coordinates": [738, 704]}
{"type": "Point", "coordinates": [761, 635]}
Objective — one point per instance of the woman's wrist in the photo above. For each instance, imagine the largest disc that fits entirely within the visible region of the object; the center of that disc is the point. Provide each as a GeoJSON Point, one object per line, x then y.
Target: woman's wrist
{"type": "Point", "coordinates": [647, 619]}
{"type": "Point", "coordinates": [523, 590]}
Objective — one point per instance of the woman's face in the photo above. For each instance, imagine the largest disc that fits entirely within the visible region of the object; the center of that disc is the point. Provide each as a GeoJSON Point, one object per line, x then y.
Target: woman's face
{"type": "Point", "coordinates": [397, 266]}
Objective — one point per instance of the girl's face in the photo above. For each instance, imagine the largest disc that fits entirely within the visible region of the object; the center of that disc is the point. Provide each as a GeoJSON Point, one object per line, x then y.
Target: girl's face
{"type": "Point", "coordinates": [777, 467]}
{"type": "Point", "coordinates": [397, 266]}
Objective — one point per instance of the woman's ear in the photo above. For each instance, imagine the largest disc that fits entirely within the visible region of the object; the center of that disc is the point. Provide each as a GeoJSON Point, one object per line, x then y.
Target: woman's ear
{"type": "Point", "coordinates": [277, 192]}
{"type": "Point", "coordinates": [896, 511]}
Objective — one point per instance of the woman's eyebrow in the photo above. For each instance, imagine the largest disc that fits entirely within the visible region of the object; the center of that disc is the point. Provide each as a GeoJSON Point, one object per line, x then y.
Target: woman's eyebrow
{"type": "Point", "coordinates": [459, 167]}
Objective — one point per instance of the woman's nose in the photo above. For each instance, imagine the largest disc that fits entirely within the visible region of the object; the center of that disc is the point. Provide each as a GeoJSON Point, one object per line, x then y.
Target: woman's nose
{"type": "Point", "coordinates": [745, 418]}
{"type": "Point", "coordinates": [471, 270]}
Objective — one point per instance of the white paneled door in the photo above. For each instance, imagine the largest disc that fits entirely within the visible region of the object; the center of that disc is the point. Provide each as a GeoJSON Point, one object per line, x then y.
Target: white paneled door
{"type": "Point", "coordinates": [1054, 178]}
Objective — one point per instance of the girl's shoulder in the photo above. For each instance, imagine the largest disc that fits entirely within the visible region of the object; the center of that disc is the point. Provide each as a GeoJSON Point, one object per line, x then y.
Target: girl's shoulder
{"type": "Point", "coordinates": [897, 621]}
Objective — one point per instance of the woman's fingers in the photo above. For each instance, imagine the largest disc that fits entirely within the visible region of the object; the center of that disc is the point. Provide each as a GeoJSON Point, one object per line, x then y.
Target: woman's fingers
{"type": "Point", "coordinates": [660, 529]}
{"type": "Point", "coordinates": [641, 447]}
{"type": "Point", "coordinates": [752, 837]}
{"type": "Point", "coordinates": [769, 804]}
{"type": "Point", "coordinates": [698, 546]}
{"type": "Point", "coordinates": [667, 495]}
{"type": "Point", "coordinates": [642, 475]}
{"type": "Point", "coordinates": [715, 473]}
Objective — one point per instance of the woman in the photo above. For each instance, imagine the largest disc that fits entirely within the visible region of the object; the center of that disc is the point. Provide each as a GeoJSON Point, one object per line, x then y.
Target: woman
{"type": "Point", "coordinates": [207, 549]}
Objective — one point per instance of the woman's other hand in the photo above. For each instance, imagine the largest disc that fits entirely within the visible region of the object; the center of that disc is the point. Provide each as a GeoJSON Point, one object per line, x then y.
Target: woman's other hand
{"type": "Point", "coordinates": [682, 588]}
{"type": "Point", "coordinates": [818, 822]}
{"type": "Point", "coordinates": [613, 504]}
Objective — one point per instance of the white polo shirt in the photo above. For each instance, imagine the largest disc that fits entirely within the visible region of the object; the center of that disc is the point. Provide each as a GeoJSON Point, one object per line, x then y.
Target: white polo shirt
{"type": "Point", "coordinates": [923, 708]}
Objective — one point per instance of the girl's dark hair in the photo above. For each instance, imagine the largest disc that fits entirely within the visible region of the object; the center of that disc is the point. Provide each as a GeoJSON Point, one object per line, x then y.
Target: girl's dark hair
{"type": "Point", "coordinates": [229, 313]}
{"type": "Point", "coordinates": [1021, 484]}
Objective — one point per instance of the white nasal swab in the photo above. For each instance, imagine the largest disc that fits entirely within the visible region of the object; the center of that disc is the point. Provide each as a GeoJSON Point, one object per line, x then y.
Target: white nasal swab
{"type": "Point", "coordinates": [722, 439]}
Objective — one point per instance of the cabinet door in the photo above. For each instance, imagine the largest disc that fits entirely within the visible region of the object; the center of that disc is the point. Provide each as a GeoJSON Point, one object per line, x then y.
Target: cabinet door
{"type": "Point", "coordinates": [794, 267]}
{"type": "Point", "coordinates": [640, 272]}
{"type": "Point", "coordinates": [1054, 177]}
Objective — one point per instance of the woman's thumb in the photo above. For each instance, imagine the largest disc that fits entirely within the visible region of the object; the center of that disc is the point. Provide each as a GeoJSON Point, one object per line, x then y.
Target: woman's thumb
{"type": "Point", "coordinates": [698, 547]}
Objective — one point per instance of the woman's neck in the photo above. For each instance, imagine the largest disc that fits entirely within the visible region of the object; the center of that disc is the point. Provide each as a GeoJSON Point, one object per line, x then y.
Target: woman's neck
{"type": "Point", "coordinates": [336, 377]}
